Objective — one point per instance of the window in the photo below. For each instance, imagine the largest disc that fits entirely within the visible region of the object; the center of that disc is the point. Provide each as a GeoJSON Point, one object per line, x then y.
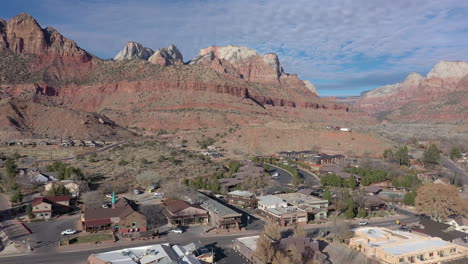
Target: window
{"type": "Point", "coordinates": [440, 253]}
{"type": "Point", "coordinates": [401, 260]}
{"type": "Point", "coordinates": [133, 224]}
{"type": "Point", "coordinates": [431, 254]}
{"type": "Point", "coordinates": [453, 250]}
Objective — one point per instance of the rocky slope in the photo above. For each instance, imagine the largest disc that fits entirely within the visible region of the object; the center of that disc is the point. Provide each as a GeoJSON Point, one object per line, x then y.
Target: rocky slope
{"type": "Point", "coordinates": [414, 98]}
{"type": "Point", "coordinates": [222, 86]}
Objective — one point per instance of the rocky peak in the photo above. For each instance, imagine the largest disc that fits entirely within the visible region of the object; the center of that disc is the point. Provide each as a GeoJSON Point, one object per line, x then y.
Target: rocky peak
{"type": "Point", "coordinates": [413, 77]}
{"type": "Point", "coordinates": [57, 43]}
{"type": "Point", "coordinates": [3, 42]}
{"type": "Point", "coordinates": [271, 59]}
{"type": "Point", "coordinates": [167, 56]}
{"type": "Point", "coordinates": [134, 50]}
{"type": "Point", "coordinates": [24, 35]}
{"type": "Point", "coordinates": [449, 69]}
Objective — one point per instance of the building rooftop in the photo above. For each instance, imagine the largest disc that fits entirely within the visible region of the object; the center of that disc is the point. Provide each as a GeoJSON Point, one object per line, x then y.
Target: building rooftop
{"type": "Point", "coordinates": [216, 207]}
{"type": "Point", "coordinates": [270, 200]}
{"type": "Point", "coordinates": [416, 246]}
{"type": "Point", "coordinates": [158, 253]}
{"type": "Point", "coordinates": [300, 198]}
{"type": "Point", "coordinates": [242, 193]}
{"type": "Point", "coordinates": [284, 210]}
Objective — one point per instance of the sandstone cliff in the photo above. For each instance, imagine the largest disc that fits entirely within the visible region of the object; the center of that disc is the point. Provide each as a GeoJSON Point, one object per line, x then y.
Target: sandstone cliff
{"type": "Point", "coordinates": [134, 50]}
{"type": "Point", "coordinates": [445, 78]}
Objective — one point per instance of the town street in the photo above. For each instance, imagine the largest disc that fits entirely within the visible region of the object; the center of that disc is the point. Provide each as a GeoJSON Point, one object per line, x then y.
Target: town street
{"type": "Point", "coordinates": [57, 255]}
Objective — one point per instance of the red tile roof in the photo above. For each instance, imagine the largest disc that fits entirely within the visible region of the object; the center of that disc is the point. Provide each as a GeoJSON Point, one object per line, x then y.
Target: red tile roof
{"type": "Point", "coordinates": [102, 215]}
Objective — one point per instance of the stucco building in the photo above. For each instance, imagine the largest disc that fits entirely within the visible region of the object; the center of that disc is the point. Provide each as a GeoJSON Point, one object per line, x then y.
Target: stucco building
{"type": "Point", "coordinates": [395, 247]}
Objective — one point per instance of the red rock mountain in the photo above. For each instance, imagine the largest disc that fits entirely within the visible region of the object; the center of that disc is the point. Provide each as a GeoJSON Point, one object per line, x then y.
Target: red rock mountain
{"type": "Point", "coordinates": [221, 86]}
{"type": "Point", "coordinates": [441, 95]}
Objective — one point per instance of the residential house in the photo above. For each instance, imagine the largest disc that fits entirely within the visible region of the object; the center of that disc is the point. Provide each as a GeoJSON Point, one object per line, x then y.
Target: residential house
{"type": "Point", "coordinates": [122, 217]}
{"type": "Point", "coordinates": [179, 212]}
{"type": "Point", "coordinates": [316, 207]}
{"type": "Point", "coordinates": [372, 190]}
{"type": "Point", "coordinates": [441, 230]}
{"type": "Point", "coordinates": [371, 202]}
{"type": "Point", "coordinates": [244, 199]}
{"type": "Point", "coordinates": [396, 247]}
{"type": "Point", "coordinates": [277, 210]}
{"type": "Point", "coordinates": [47, 207]}
{"type": "Point", "coordinates": [229, 184]}
{"type": "Point", "coordinates": [74, 187]}
{"type": "Point", "coordinates": [460, 223]}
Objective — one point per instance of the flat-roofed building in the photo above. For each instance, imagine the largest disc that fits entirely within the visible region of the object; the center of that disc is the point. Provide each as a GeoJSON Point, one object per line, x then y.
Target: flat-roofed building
{"type": "Point", "coordinates": [317, 208]}
{"type": "Point", "coordinates": [242, 198]}
{"type": "Point", "coordinates": [278, 211]}
{"type": "Point", "coordinates": [220, 215]}
{"type": "Point", "coordinates": [395, 247]}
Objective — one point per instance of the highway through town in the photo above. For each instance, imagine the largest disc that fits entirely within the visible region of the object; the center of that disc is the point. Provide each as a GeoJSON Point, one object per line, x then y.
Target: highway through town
{"type": "Point", "coordinates": [455, 169]}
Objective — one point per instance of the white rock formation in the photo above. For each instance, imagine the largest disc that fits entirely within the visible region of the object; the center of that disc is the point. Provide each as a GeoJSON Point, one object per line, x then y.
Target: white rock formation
{"type": "Point", "coordinates": [167, 56]}
{"type": "Point", "coordinates": [449, 69]}
{"type": "Point", "coordinates": [134, 50]}
{"type": "Point", "coordinates": [310, 86]}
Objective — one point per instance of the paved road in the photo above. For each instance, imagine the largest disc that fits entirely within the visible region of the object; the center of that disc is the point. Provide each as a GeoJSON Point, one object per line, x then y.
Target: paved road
{"type": "Point", "coordinates": [308, 176]}
{"type": "Point", "coordinates": [453, 167]}
{"type": "Point", "coordinates": [223, 242]}
{"type": "Point", "coordinates": [284, 177]}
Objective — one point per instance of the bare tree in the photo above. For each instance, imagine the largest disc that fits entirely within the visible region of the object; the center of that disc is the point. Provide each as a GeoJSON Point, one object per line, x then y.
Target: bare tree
{"type": "Point", "coordinates": [148, 177]}
{"type": "Point", "coordinates": [440, 200]}
{"type": "Point", "coordinates": [299, 231]}
{"type": "Point", "coordinates": [93, 199]}
{"type": "Point", "coordinates": [340, 228]}
{"type": "Point", "coordinates": [176, 190]}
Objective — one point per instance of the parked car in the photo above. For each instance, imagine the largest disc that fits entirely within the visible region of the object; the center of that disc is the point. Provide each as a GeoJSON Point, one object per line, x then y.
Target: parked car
{"type": "Point", "coordinates": [109, 195]}
{"type": "Point", "coordinates": [177, 231]}
{"type": "Point", "coordinates": [405, 229]}
{"type": "Point", "coordinates": [136, 191]}
{"type": "Point", "coordinates": [69, 232]}
{"type": "Point", "coordinates": [158, 195]}
{"type": "Point", "coordinates": [106, 205]}
{"type": "Point", "coordinates": [363, 223]}
{"type": "Point", "coordinates": [275, 175]}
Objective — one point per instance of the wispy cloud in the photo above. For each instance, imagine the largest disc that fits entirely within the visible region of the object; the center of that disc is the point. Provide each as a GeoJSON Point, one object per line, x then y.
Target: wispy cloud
{"type": "Point", "coordinates": [353, 45]}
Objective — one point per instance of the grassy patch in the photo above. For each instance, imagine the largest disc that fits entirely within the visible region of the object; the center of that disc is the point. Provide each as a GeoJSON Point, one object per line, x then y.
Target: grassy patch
{"type": "Point", "coordinates": [91, 238]}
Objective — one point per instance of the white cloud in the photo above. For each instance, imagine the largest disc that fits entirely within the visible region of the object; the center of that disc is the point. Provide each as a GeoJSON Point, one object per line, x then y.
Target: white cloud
{"type": "Point", "coordinates": [337, 40]}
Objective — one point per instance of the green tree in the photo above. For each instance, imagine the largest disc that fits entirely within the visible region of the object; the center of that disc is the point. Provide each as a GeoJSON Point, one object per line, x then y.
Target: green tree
{"type": "Point", "coordinates": [327, 195]}
{"type": "Point", "coordinates": [362, 213]}
{"type": "Point", "coordinates": [401, 156]}
{"type": "Point", "coordinates": [352, 183]}
{"type": "Point", "coordinates": [11, 168]}
{"type": "Point", "coordinates": [431, 155]}
{"type": "Point", "coordinates": [234, 166]}
{"type": "Point", "coordinates": [388, 154]}
{"type": "Point", "coordinates": [455, 153]}
{"type": "Point", "coordinates": [29, 211]}
{"type": "Point", "coordinates": [351, 211]}
{"type": "Point", "coordinates": [409, 198]}
{"type": "Point", "coordinates": [16, 197]}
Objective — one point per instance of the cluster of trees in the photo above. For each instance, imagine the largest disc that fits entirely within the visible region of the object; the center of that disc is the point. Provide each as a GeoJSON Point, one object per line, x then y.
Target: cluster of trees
{"type": "Point", "coordinates": [431, 155]}
{"type": "Point", "coordinates": [455, 153]}
{"type": "Point", "coordinates": [58, 190]}
{"type": "Point", "coordinates": [270, 251]}
{"type": "Point", "coordinates": [234, 166]}
{"type": "Point", "coordinates": [400, 156]}
{"type": "Point", "coordinates": [336, 181]}
{"type": "Point", "coordinates": [65, 172]}
{"type": "Point", "coordinates": [408, 181]}
{"type": "Point", "coordinates": [369, 175]}
{"type": "Point", "coordinates": [440, 201]}
{"type": "Point", "coordinates": [207, 183]}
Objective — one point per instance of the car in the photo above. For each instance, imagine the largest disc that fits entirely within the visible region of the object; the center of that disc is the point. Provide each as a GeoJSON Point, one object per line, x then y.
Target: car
{"type": "Point", "coordinates": [158, 195]}
{"type": "Point", "coordinates": [363, 223]}
{"type": "Point", "coordinates": [136, 191]}
{"type": "Point", "coordinates": [69, 232]}
{"type": "Point", "coordinates": [109, 195]}
{"type": "Point", "coordinates": [177, 231]}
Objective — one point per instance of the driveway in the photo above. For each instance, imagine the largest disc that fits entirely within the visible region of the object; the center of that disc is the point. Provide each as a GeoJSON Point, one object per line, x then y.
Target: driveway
{"type": "Point", "coordinates": [46, 234]}
{"type": "Point", "coordinates": [308, 176]}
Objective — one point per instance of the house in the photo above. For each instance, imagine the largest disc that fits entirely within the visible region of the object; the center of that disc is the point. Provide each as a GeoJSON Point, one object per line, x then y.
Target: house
{"type": "Point", "coordinates": [49, 206]}
{"type": "Point", "coordinates": [221, 216]}
{"type": "Point", "coordinates": [179, 212]}
{"type": "Point", "coordinates": [460, 223]}
{"type": "Point", "coordinates": [242, 198]}
{"type": "Point", "coordinates": [387, 184]}
{"type": "Point", "coordinates": [443, 181]}
{"type": "Point", "coordinates": [396, 247]}
{"type": "Point", "coordinates": [441, 230]}
{"type": "Point", "coordinates": [229, 184]}
{"type": "Point", "coordinates": [372, 190]}
{"type": "Point", "coordinates": [311, 191]}
{"type": "Point", "coordinates": [278, 211]}
{"type": "Point", "coordinates": [371, 202]}
{"type": "Point", "coordinates": [158, 253]}
{"type": "Point", "coordinates": [428, 176]}
{"type": "Point", "coordinates": [324, 159]}
{"type": "Point", "coordinates": [122, 217]}
{"type": "Point", "coordinates": [74, 187]}
{"type": "Point", "coordinates": [316, 207]}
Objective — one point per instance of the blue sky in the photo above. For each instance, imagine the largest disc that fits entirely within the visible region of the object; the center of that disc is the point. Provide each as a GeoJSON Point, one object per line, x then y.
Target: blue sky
{"type": "Point", "coordinates": [343, 47]}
